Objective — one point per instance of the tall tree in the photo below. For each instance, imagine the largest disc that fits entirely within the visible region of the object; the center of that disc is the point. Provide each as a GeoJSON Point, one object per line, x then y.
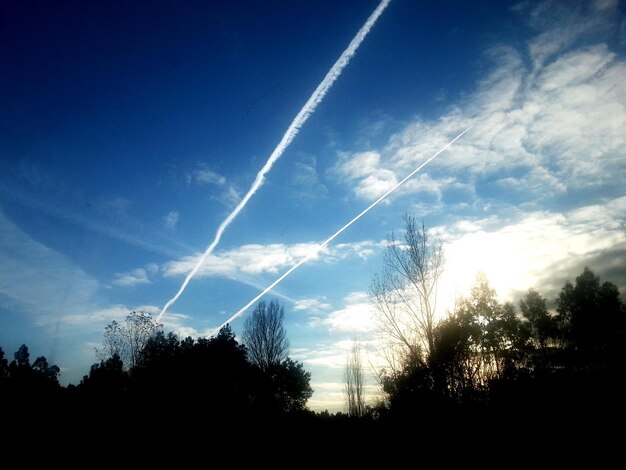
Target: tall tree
{"type": "Point", "coordinates": [265, 337]}
{"type": "Point", "coordinates": [404, 295]}
{"type": "Point", "coordinates": [353, 375]}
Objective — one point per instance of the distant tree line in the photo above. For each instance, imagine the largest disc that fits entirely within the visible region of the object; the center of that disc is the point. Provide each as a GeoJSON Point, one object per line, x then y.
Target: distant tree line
{"type": "Point", "coordinates": [142, 369]}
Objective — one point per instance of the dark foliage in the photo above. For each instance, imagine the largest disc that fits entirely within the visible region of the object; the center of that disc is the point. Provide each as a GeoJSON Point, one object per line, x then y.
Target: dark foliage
{"type": "Point", "coordinates": [490, 363]}
{"type": "Point", "coordinates": [492, 371]}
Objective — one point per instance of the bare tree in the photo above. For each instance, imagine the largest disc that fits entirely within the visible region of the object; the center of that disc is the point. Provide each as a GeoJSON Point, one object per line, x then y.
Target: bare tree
{"type": "Point", "coordinates": [264, 335]}
{"type": "Point", "coordinates": [404, 295]}
{"type": "Point", "coordinates": [355, 401]}
{"type": "Point", "coordinates": [127, 340]}
{"type": "Point", "coordinates": [113, 342]}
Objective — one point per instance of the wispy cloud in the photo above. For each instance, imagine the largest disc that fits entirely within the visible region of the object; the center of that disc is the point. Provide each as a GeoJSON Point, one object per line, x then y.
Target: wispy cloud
{"type": "Point", "coordinates": [40, 281]}
{"type": "Point", "coordinates": [305, 182]}
{"type": "Point", "coordinates": [311, 305]}
{"type": "Point", "coordinates": [107, 229]}
{"type": "Point", "coordinates": [132, 278]}
{"type": "Point", "coordinates": [203, 175]}
{"type": "Point", "coordinates": [226, 193]}
{"type": "Point", "coordinates": [170, 220]}
{"type": "Point", "coordinates": [96, 319]}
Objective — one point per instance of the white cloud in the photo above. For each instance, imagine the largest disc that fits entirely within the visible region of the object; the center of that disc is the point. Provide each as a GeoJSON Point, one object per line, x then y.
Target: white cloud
{"type": "Point", "coordinates": [333, 353]}
{"type": "Point", "coordinates": [539, 182]}
{"type": "Point", "coordinates": [98, 317]}
{"type": "Point", "coordinates": [363, 249]}
{"type": "Point", "coordinates": [331, 395]}
{"type": "Point", "coordinates": [365, 170]}
{"type": "Point", "coordinates": [539, 249]}
{"type": "Point", "coordinates": [170, 220]}
{"type": "Point", "coordinates": [228, 194]}
{"type": "Point", "coordinates": [327, 362]}
{"type": "Point", "coordinates": [256, 259]}
{"type": "Point", "coordinates": [560, 123]}
{"type": "Point", "coordinates": [311, 305]}
{"type": "Point", "coordinates": [132, 278]}
{"type": "Point", "coordinates": [355, 317]}
{"type": "Point", "coordinates": [561, 24]}
{"type": "Point", "coordinates": [177, 323]}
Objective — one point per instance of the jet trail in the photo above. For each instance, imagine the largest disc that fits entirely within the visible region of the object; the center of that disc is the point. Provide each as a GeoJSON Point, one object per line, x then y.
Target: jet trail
{"type": "Point", "coordinates": [336, 234]}
{"type": "Point", "coordinates": [292, 131]}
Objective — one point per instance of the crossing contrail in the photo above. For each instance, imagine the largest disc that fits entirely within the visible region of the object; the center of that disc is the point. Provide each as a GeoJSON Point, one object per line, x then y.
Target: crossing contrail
{"type": "Point", "coordinates": [292, 131]}
{"type": "Point", "coordinates": [313, 253]}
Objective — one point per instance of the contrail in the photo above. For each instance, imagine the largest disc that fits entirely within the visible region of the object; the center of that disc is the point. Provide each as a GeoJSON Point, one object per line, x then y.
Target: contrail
{"type": "Point", "coordinates": [336, 234]}
{"type": "Point", "coordinates": [292, 131]}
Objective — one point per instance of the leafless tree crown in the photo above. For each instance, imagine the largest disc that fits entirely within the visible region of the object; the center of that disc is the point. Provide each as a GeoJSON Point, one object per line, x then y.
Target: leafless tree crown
{"type": "Point", "coordinates": [264, 335]}
{"type": "Point", "coordinates": [127, 340]}
{"type": "Point", "coordinates": [404, 294]}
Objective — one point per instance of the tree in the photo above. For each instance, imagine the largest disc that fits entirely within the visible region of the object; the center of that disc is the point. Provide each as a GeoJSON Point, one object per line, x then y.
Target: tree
{"type": "Point", "coordinates": [590, 314]}
{"type": "Point", "coordinates": [107, 379]}
{"type": "Point", "coordinates": [140, 328]}
{"type": "Point", "coordinates": [404, 295]}
{"type": "Point", "coordinates": [541, 324]}
{"type": "Point", "coordinates": [292, 386]}
{"type": "Point", "coordinates": [265, 337]}
{"type": "Point", "coordinates": [484, 335]}
{"type": "Point", "coordinates": [126, 341]}
{"type": "Point", "coordinates": [50, 372]}
{"type": "Point", "coordinates": [22, 356]}
{"type": "Point", "coordinates": [355, 401]}
{"type": "Point", "coordinates": [4, 366]}
{"type": "Point", "coordinates": [483, 309]}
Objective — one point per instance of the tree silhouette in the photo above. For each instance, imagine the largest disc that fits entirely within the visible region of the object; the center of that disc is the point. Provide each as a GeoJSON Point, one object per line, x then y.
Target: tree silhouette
{"type": "Point", "coordinates": [264, 335]}
{"type": "Point", "coordinates": [21, 382]}
{"type": "Point", "coordinates": [126, 341]}
{"type": "Point", "coordinates": [50, 372]}
{"type": "Point", "coordinates": [542, 325]}
{"type": "Point", "coordinates": [353, 375]}
{"type": "Point", "coordinates": [590, 314]}
{"type": "Point", "coordinates": [106, 379]}
{"type": "Point", "coordinates": [292, 388]}
{"type": "Point", "coordinates": [488, 365]}
{"type": "Point", "coordinates": [404, 294]}
{"type": "Point", "coordinates": [21, 356]}
{"type": "Point", "coordinates": [4, 366]}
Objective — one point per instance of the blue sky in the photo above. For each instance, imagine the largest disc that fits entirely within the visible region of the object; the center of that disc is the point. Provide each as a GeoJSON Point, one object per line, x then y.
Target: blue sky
{"type": "Point", "coordinates": [128, 131]}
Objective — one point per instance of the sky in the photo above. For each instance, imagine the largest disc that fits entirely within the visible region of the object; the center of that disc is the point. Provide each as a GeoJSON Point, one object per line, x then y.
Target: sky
{"type": "Point", "coordinates": [130, 130]}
